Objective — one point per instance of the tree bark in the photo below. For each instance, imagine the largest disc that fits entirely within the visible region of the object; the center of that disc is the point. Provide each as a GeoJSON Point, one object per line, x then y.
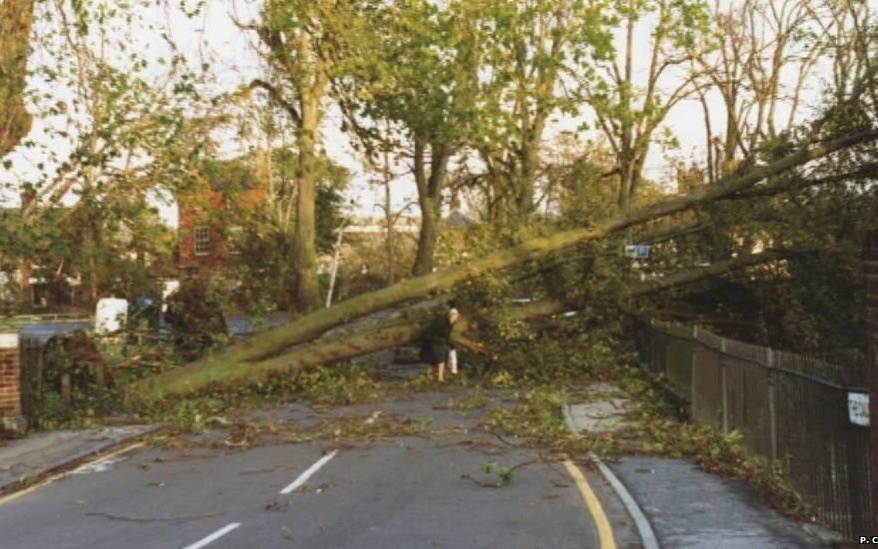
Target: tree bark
{"type": "Point", "coordinates": [16, 21]}
{"type": "Point", "coordinates": [311, 93]}
{"type": "Point", "coordinates": [304, 254]}
{"type": "Point", "coordinates": [230, 363]}
{"type": "Point", "coordinates": [430, 202]}
{"type": "Point", "coordinates": [294, 54]}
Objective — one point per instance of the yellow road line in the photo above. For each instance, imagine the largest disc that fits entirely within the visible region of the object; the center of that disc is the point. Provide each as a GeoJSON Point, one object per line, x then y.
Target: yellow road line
{"type": "Point", "coordinates": [605, 531]}
{"type": "Point", "coordinates": [53, 478]}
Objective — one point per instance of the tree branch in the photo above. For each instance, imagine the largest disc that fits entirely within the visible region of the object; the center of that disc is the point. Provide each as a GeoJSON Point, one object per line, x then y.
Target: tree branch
{"type": "Point", "coordinates": [688, 276]}
{"type": "Point", "coordinates": [866, 170]}
{"type": "Point", "coordinates": [275, 94]}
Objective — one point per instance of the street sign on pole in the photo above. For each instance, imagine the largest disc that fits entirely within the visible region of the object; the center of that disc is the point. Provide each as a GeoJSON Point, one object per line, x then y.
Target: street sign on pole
{"type": "Point", "coordinates": [638, 251]}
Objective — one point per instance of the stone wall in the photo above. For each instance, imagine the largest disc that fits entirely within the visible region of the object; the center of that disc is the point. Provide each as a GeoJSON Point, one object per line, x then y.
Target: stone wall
{"type": "Point", "coordinates": [10, 383]}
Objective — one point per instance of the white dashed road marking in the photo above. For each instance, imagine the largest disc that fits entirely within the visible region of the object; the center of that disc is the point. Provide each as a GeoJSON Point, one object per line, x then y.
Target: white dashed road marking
{"type": "Point", "coordinates": [213, 537]}
{"type": "Point", "coordinates": [303, 478]}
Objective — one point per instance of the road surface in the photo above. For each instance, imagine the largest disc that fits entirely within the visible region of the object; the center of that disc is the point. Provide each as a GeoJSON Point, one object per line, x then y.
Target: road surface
{"type": "Point", "coordinates": [251, 484]}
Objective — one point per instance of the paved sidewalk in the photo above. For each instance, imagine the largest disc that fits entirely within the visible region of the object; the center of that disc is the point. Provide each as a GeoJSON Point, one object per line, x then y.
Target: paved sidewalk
{"type": "Point", "coordinates": [681, 506]}
{"type": "Point", "coordinates": [38, 454]}
{"type": "Point", "coordinates": [689, 508]}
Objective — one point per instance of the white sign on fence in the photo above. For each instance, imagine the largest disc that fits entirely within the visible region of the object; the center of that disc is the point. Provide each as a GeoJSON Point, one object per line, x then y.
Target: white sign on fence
{"type": "Point", "coordinates": [858, 408]}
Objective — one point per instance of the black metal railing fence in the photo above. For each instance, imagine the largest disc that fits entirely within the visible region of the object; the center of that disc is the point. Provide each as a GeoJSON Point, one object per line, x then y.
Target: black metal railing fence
{"type": "Point", "coordinates": [790, 409]}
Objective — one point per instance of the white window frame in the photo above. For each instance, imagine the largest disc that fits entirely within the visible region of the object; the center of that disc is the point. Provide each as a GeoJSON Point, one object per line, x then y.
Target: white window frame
{"type": "Point", "coordinates": [201, 240]}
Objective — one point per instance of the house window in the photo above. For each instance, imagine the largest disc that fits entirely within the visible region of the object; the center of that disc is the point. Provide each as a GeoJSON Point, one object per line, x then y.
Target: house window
{"type": "Point", "coordinates": [202, 240]}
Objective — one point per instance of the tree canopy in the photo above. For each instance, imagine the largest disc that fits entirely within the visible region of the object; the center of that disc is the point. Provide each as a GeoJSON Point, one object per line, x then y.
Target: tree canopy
{"type": "Point", "coordinates": [557, 125]}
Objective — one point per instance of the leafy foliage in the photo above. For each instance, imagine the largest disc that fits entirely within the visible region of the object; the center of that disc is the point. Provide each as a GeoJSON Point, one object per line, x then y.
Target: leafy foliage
{"type": "Point", "coordinates": [811, 300]}
{"type": "Point", "coordinates": [195, 319]}
{"type": "Point", "coordinates": [118, 132]}
{"type": "Point", "coordinates": [538, 417]}
{"type": "Point", "coordinates": [505, 474]}
{"type": "Point", "coordinates": [350, 385]}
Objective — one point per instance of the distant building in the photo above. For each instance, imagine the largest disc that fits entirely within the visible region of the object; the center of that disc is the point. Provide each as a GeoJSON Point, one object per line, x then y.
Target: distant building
{"type": "Point", "coordinates": [208, 220]}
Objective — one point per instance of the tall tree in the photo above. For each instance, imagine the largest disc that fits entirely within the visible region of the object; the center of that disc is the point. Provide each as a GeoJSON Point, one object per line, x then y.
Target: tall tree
{"type": "Point", "coordinates": [774, 61]}
{"type": "Point", "coordinates": [294, 34]}
{"type": "Point", "coordinates": [531, 55]}
{"type": "Point", "coordinates": [766, 65]}
{"type": "Point", "coordinates": [263, 262]}
{"type": "Point", "coordinates": [114, 115]}
{"type": "Point", "coordinates": [407, 83]}
{"type": "Point", "coordinates": [16, 22]}
{"type": "Point", "coordinates": [634, 90]}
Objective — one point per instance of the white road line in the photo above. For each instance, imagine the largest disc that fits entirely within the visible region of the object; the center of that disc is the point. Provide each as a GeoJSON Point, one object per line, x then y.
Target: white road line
{"type": "Point", "coordinates": [59, 476]}
{"type": "Point", "coordinates": [213, 537]}
{"type": "Point", "coordinates": [644, 528]}
{"type": "Point", "coordinates": [100, 466]}
{"type": "Point", "coordinates": [303, 478]}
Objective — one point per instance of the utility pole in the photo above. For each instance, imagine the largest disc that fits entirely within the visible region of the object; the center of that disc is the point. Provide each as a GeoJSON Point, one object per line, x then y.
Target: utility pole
{"type": "Point", "coordinates": [335, 260]}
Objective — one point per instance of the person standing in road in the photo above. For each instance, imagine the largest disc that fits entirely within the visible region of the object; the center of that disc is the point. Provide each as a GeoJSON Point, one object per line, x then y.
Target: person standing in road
{"type": "Point", "coordinates": [436, 342]}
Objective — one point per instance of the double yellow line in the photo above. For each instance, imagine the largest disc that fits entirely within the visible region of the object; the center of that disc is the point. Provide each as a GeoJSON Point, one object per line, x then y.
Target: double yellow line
{"type": "Point", "coordinates": [605, 531]}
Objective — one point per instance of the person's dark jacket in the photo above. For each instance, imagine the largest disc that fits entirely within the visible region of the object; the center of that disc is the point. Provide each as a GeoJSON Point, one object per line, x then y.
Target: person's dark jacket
{"type": "Point", "coordinates": [436, 340]}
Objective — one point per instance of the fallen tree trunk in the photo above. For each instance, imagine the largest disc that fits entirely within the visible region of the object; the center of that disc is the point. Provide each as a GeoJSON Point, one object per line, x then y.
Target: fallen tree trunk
{"type": "Point", "coordinates": [273, 342]}
{"type": "Point", "coordinates": [342, 345]}
{"type": "Point", "coordinates": [317, 353]}
{"type": "Point", "coordinates": [368, 337]}
{"type": "Point", "coordinates": [218, 368]}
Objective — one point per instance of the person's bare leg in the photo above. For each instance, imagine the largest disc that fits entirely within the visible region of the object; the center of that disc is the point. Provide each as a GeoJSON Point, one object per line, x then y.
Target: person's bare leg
{"type": "Point", "coordinates": [440, 372]}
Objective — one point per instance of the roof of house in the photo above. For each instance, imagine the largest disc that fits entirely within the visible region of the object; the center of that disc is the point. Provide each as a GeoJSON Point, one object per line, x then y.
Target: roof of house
{"type": "Point", "coordinates": [458, 220]}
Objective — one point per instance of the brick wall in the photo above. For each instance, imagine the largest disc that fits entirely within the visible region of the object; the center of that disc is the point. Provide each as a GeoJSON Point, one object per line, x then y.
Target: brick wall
{"type": "Point", "coordinates": [10, 383]}
{"type": "Point", "coordinates": [871, 271]}
{"type": "Point", "coordinates": [201, 209]}
{"type": "Point", "coordinates": [211, 208]}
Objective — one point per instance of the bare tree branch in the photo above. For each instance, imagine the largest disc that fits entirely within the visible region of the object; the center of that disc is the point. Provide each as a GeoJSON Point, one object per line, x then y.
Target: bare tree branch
{"type": "Point", "coordinates": [278, 97]}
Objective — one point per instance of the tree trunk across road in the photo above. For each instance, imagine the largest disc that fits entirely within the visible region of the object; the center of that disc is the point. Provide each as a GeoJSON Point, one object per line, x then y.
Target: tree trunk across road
{"type": "Point", "coordinates": [259, 355]}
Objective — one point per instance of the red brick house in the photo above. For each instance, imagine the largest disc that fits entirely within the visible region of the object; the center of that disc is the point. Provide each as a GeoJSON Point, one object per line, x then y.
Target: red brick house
{"type": "Point", "coordinates": [202, 238]}
{"type": "Point", "coordinates": [208, 218]}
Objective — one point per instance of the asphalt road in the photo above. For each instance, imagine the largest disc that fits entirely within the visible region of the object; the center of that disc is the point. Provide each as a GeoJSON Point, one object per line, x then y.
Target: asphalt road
{"type": "Point", "coordinates": [429, 490]}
